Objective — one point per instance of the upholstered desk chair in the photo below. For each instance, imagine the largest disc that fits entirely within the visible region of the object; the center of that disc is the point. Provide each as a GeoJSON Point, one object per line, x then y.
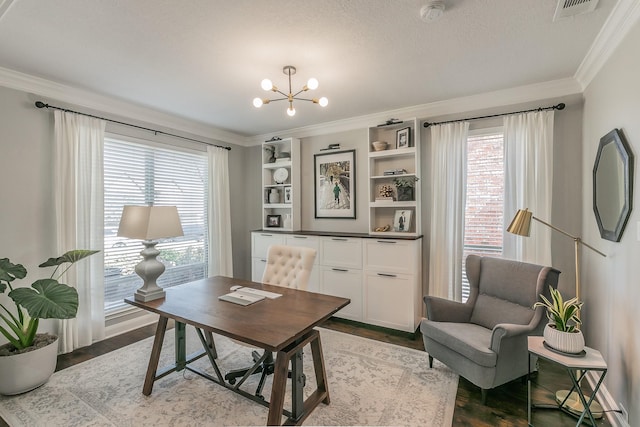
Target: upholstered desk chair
{"type": "Point", "coordinates": [485, 339]}
{"type": "Point", "coordinates": [290, 267]}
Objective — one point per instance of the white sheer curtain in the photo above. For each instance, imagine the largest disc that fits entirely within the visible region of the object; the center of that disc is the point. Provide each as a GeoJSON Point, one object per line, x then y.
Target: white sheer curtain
{"type": "Point", "coordinates": [220, 249]}
{"type": "Point", "coordinates": [448, 183]}
{"type": "Point", "coordinates": [78, 194]}
{"type": "Point", "coordinates": [528, 147]}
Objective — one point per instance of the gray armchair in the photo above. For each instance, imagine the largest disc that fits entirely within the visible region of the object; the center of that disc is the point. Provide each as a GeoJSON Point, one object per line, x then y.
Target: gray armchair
{"type": "Point", "coordinates": [485, 339]}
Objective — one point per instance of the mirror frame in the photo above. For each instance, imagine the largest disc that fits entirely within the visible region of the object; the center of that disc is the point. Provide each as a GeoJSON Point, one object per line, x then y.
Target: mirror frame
{"type": "Point", "coordinates": [617, 138]}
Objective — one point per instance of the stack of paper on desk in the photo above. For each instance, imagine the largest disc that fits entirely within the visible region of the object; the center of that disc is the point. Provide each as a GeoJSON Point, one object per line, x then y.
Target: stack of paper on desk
{"type": "Point", "coordinates": [242, 298]}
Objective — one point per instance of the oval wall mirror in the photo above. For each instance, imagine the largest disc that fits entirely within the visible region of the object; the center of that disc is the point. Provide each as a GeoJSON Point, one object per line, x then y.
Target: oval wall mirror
{"type": "Point", "coordinates": [613, 185]}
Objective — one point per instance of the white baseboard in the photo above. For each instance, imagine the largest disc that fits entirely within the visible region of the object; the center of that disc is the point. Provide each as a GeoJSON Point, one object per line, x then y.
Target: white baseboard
{"type": "Point", "coordinates": [608, 403]}
{"type": "Point", "coordinates": [122, 326]}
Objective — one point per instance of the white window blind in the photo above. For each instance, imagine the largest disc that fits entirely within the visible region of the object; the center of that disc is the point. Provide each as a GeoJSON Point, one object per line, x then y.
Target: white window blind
{"type": "Point", "coordinates": [139, 174]}
{"type": "Point", "coordinates": [484, 212]}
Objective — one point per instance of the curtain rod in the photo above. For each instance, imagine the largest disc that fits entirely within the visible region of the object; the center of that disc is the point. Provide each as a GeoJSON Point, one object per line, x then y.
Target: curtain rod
{"type": "Point", "coordinates": [553, 107]}
{"type": "Point", "coordinates": [41, 104]}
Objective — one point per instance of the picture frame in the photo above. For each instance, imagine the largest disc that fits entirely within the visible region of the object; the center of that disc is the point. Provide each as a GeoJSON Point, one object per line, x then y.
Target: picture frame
{"type": "Point", "coordinates": [274, 220]}
{"type": "Point", "coordinates": [335, 184]}
{"type": "Point", "coordinates": [287, 195]}
{"type": "Point", "coordinates": [403, 137]}
{"type": "Point", "coordinates": [402, 220]}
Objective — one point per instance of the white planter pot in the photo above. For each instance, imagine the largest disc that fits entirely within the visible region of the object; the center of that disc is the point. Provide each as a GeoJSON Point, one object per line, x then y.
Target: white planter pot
{"type": "Point", "coordinates": [567, 342]}
{"type": "Point", "coordinates": [23, 372]}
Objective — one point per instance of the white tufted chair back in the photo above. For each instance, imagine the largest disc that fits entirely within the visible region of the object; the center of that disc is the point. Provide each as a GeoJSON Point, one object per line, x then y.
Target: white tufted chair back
{"type": "Point", "coordinates": [289, 266]}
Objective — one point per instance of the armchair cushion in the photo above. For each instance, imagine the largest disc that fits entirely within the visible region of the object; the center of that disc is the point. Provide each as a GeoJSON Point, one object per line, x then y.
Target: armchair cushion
{"type": "Point", "coordinates": [469, 340]}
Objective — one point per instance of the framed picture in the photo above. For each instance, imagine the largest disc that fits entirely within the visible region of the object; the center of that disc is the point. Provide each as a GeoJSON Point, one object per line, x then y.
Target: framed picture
{"type": "Point", "coordinates": [402, 138]}
{"type": "Point", "coordinates": [402, 220]}
{"type": "Point", "coordinates": [287, 194]}
{"type": "Point", "coordinates": [335, 184]}
{"type": "Point", "coordinates": [274, 220]}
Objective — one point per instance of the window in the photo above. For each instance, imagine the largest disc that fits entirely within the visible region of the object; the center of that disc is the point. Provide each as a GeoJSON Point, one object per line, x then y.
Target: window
{"type": "Point", "coordinates": [139, 174]}
{"type": "Point", "coordinates": [484, 212]}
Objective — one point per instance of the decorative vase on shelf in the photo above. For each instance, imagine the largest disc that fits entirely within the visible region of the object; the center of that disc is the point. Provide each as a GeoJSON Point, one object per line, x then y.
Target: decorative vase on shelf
{"type": "Point", "coordinates": [287, 221]}
{"type": "Point", "coordinates": [274, 196]}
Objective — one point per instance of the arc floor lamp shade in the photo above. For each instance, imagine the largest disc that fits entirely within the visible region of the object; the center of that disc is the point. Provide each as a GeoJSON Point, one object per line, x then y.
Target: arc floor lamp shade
{"type": "Point", "coordinates": [149, 223]}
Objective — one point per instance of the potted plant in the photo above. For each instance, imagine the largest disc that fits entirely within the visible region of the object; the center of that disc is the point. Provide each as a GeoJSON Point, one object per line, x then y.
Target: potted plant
{"type": "Point", "coordinates": [562, 333]}
{"type": "Point", "coordinates": [404, 187]}
{"type": "Point", "coordinates": [45, 299]}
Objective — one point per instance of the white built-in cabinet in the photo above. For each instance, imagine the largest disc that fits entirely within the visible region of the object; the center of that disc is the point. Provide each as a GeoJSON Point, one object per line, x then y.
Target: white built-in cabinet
{"type": "Point", "coordinates": [403, 162]}
{"type": "Point", "coordinates": [381, 276]}
{"type": "Point", "coordinates": [281, 184]}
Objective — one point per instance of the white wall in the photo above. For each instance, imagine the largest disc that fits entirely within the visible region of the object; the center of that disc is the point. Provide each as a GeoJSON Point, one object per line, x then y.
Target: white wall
{"type": "Point", "coordinates": [26, 213]}
{"type": "Point", "coordinates": [610, 286]}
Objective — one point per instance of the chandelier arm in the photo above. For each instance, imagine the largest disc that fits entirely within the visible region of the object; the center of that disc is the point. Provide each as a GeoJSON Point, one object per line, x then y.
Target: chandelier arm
{"type": "Point", "coordinates": [298, 93]}
{"type": "Point", "coordinates": [278, 99]}
{"type": "Point", "coordinates": [280, 92]}
{"type": "Point", "coordinates": [304, 99]}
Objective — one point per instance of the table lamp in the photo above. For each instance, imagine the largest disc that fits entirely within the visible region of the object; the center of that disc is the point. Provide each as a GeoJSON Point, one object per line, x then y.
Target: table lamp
{"type": "Point", "coordinates": [521, 225]}
{"type": "Point", "coordinates": [149, 223]}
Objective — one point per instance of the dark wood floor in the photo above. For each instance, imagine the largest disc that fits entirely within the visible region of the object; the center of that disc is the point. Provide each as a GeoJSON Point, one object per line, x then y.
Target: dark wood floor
{"type": "Point", "coordinates": [506, 405]}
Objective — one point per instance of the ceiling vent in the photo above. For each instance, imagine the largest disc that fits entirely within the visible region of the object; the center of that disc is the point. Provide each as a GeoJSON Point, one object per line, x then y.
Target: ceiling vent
{"type": "Point", "coordinates": [567, 8]}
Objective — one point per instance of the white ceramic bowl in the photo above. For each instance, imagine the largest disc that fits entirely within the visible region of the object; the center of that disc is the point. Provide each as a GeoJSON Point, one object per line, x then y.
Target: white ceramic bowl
{"type": "Point", "coordinates": [379, 145]}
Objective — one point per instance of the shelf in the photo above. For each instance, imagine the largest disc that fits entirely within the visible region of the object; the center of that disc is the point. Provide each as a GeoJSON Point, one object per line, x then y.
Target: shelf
{"type": "Point", "coordinates": [391, 176]}
{"type": "Point", "coordinates": [277, 165]}
{"type": "Point", "coordinates": [394, 152]}
{"type": "Point", "coordinates": [278, 206]}
{"type": "Point", "coordinates": [394, 204]}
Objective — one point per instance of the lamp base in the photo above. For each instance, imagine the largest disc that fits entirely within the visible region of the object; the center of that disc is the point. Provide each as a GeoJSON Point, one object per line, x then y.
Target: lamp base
{"type": "Point", "coordinates": [149, 269]}
{"type": "Point", "coordinates": [143, 295]}
{"type": "Point", "coordinates": [575, 406]}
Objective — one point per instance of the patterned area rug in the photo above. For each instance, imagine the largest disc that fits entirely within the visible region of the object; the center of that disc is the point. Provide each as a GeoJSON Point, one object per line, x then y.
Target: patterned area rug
{"type": "Point", "coordinates": [370, 383]}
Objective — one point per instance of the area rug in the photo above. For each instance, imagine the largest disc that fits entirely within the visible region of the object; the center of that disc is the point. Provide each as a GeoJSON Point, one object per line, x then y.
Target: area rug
{"type": "Point", "coordinates": [370, 383]}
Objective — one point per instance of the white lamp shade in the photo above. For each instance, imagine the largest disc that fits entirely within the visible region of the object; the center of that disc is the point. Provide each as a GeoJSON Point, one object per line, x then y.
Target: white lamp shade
{"type": "Point", "coordinates": [150, 222]}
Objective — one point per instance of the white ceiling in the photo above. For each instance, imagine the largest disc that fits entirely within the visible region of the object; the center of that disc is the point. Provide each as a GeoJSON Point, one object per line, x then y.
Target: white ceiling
{"type": "Point", "coordinates": [203, 60]}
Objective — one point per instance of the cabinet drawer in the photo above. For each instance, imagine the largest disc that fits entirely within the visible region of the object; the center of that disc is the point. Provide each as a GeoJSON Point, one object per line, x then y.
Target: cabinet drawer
{"type": "Point", "coordinates": [304, 241]}
{"type": "Point", "coordinates": [344, 283]}
{"type": "Point", "coordinates": [390, 301]}
{"type": "Point", "coordinates": [261, 242]}
{"type": "Point", "coordinates": [401, 256]}
{"type": "Point", "coordinates": [341, 252]}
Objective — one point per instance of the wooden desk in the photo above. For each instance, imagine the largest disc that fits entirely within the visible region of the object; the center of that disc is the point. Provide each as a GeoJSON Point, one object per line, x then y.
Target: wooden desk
{"type": "Point", "coordinates": [283, 325]}
{"type": "Point", "coordinates": [591, 361]}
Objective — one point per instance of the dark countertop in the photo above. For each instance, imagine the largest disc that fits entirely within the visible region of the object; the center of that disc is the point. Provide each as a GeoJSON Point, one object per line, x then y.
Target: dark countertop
{"type": "Point", "coordinates": [337, 234]}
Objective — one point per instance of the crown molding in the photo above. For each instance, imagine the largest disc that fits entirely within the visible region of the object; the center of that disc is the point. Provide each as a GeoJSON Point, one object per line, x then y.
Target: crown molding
{"type": "Point", "coordinates": [622, 18]}
{"type": "Point", "coordinates": [483, 101]}
{"type": "Point", "coordinates": [118, 107]}
{"type": "Point", "coordinates": [121, 108]}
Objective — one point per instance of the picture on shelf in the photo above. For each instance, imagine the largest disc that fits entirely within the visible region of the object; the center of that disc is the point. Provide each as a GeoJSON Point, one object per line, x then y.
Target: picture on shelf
{"type": "Point", "coordinates": [274, 220]}
{"type": "Point", "coordinates": [335, 175]}
{"type": "Point", "coordinates": [402, 220]}
{"type": "Point", "coordinates": [287, 194]}
{"type": "Point", "coordinates": [402, 138]}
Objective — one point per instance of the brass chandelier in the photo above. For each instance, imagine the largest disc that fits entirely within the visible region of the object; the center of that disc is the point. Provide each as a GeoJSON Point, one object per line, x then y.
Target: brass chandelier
{"type": "Point", "coordinates": [290, 70]}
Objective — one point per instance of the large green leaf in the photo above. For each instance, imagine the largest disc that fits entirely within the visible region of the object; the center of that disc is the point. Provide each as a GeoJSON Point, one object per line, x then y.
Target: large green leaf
{"type": "Point", "coordinates": [71, 256]}
{"type": "Point", "coordinates": [10, 272]}
{"type": "Point", "coordinates": [47, 299]}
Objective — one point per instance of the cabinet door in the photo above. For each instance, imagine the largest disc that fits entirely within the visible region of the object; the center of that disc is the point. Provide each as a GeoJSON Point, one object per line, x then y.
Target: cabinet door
{"type": "Point", "coordinates": [341, 252]}
{"type": "Point", "coordinates": [389, 301]}
{"type": "Point", "coordinates": [343, 283]}
{"type": "Point", "coordinates": [257, 268]}
{"type": "Point", "coordinates": [261, 242]}
{"type": "Point", "coordinates": [400, 256]}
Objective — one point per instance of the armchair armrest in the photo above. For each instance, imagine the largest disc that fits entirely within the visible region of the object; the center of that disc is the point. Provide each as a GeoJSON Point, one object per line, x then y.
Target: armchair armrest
{"type": "Point", "coordinates": [506, 331]}
{"type": "Point", "coordinates": [444, 310]}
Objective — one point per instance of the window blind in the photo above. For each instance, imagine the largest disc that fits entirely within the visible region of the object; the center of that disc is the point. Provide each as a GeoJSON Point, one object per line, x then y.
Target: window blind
{"type": "Point", "coordinates": [139, 174]}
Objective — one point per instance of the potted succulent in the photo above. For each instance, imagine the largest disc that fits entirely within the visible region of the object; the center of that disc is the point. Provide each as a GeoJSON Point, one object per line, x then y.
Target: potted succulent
{"type": "Point", "coordinates": [562, 333]}
{"type": "Point", "coordinates": [404, 187]}
{"type": "Point", "coordinates": [45, 299]}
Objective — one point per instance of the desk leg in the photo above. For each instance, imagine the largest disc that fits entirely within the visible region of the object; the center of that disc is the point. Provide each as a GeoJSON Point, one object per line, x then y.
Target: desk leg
{"type": "Point", "coordinates": [181, 345]}
{"type": "Point", "coordinates": [301, 408]}
{"type": "Point", "coordinates": [155, 356]}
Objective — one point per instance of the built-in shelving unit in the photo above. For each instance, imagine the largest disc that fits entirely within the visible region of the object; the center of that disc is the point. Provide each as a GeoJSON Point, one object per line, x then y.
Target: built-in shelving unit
{"type": "Point", "coordinates": [403, 158]}
{"type": "Point", "coordinates": [281, 185]}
